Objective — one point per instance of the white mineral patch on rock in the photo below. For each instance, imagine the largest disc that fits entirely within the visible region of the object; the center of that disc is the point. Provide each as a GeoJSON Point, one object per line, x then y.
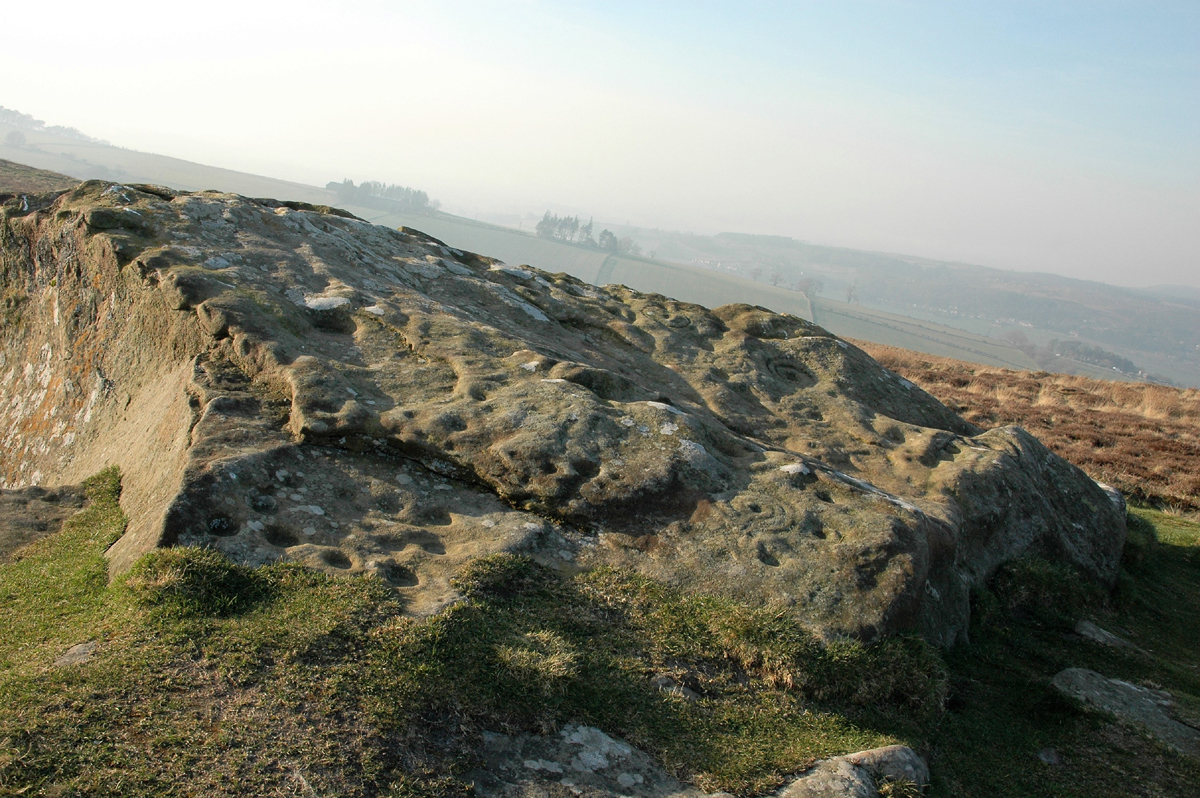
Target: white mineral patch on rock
{"type": "Point", "coordinates": [318, 302]}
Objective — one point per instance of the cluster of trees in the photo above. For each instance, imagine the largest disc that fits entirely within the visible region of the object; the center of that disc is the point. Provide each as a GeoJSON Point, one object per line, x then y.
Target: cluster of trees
{"type": "Point", "coordinates": [570, 230]}
{"type": "Point", "coordinates": [368, 191]}
{"type": "Point", "coordinates": [565, 228]}
{"type": "Point", "coordinates": [18, 119]}
{"type": "Point", "coordinates": [1076, 350]}
{"type": "Point", "coordinates": [809, 286]}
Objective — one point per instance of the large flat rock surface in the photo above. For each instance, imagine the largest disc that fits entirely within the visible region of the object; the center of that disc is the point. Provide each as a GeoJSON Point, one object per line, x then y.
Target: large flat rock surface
{"type": "Point", "coordinates": [279, 380]}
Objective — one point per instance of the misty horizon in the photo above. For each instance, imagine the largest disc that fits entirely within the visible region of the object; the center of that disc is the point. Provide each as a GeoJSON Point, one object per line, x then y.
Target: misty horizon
{"type": "Point", "coordinates": [1055, 141]}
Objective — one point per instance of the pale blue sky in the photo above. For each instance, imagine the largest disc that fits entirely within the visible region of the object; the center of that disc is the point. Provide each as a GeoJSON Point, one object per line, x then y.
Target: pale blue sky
{"type": "Point", "coordinates": [1059, 137]}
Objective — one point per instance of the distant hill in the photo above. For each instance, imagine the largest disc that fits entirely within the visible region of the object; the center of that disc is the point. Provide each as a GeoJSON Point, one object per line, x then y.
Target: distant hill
{"type": "Point", "coordinates": [950, 310]}
{"type": "Point", "coordinates": [1158, 329]}
{"type": "Point", "coordinates": [87, 159]}
{"type": "Point", "coordinates": [1177, 294]}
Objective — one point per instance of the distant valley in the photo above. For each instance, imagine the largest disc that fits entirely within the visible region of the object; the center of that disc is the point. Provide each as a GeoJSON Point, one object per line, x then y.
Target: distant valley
{"type": "Point", "coordinates": [1012, 319]}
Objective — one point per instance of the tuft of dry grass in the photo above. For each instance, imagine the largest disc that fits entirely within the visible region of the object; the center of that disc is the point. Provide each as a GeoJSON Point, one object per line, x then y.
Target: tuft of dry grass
{"type": "Point", "coordinates": [1142, 438]}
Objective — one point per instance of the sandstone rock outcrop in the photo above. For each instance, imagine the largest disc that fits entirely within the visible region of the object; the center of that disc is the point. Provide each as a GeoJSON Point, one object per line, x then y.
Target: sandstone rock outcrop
{"type": "Point", "coordinates": [281, 380]}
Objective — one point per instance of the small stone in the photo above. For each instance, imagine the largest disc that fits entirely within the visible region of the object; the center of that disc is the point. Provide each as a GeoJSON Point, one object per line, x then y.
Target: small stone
{"type": "Point", "coordinates": [325, 302]}
{"type": "Point", "coordinates": [76, 654]}
{"type": "Point", "coordinates": [1050, 757]}
{"type": "Point", "coordinates": [1094, 633]}
{"type": "Point", "coordinates": [1141, 705]}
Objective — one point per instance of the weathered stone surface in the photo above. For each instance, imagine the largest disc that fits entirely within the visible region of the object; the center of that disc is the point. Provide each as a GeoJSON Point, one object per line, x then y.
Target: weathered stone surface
{"type": "Point", "coordinates": [859, 775]}
{"type": "Point", "coordinates": [577, 761]}
{"type": "Point", "coordinates": [584, 761]}
{"type": "Point", "coordinates": [892, 762]}
{"type": "Point", "coordinates": [1091, 631]}
{"type": "Point", "coordinates": [1148, 708]}
{"type": "Point", "coordinates": [76, 654]}
{"type": "Point", "coordinates": [426, 406]}
{"type": "Point", "coordinates": [1115, 496]}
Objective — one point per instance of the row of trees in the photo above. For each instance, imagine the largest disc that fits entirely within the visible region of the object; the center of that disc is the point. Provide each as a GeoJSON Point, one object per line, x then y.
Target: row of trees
{"type": "Point", "coordinates": [368, 190]}
{"type": "Point", "coordinates": [569, 229]}
{"type": "Point", "coordinates": [1076, 350]}
{"type": "Point", "coordinates": [809, 286]}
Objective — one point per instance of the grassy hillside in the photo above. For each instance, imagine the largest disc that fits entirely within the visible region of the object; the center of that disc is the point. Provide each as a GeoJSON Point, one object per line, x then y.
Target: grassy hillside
{"type": "Point", "coordinates": [280, 680]}
{"type": "Point", "coordinates": [1144, 439]}
{"type": "Point", "coordinates": [686, 283]}
{"type": "Point", "coordinates": [21, 179]}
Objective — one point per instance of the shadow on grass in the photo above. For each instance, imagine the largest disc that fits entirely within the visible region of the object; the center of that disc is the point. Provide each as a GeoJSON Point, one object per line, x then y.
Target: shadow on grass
{"type": "Point", "coordinates": [1006, 732]}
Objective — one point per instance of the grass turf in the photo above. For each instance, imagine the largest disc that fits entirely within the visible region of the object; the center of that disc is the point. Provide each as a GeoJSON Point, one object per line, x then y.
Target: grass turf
{"type": "Point", "coordinates": [210, 678]}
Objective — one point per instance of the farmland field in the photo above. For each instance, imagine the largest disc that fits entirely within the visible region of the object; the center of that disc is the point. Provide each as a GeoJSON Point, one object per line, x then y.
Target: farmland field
{"type": "Point", "coordinates": [855, 321]}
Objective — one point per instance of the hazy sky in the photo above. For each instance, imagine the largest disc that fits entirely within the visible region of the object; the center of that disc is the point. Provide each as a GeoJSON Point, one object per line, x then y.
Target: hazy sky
{"type": "Point", "coordinates": [1060, 137]}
